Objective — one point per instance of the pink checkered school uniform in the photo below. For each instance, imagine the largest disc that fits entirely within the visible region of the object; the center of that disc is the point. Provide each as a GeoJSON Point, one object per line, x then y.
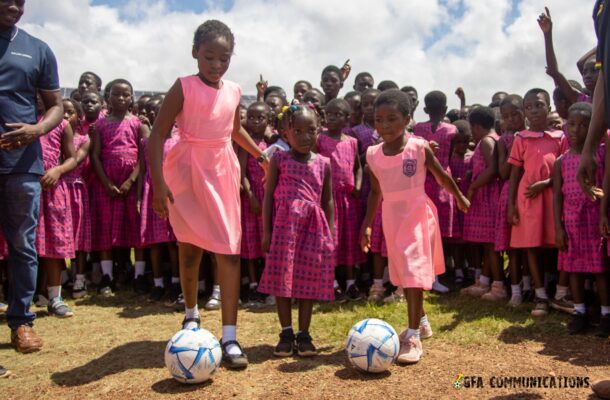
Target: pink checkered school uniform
{"type": "Point", "coordinates": [251, 224]}
{"type": "Point", "coordinates": [443, 135]}
{"type": "Point", "coordinates": [342, 154]}
{"type": "Point", "coordinates": [114, 220]}
{"type": "Point", "coordinates": [300, 262]}
{"type": "Point", "coordinates": [581, 222]}
{"type": "Point", "coordinates": [503, 228]}
{"type": "Point", "coordinates": [54, 236]}
{"type": "Point", "coordinates": [535, 152]}
{"type": "Point", "coordinates": [79, 198]}
{"type": "Point", "coordinates": [410, 223]}
{"type": "Point", "coordinates": [366, 136]}
{"type": "Point", "coordinates": [461, 169]}
{"type": "Point", "coordinates": [378, 245]}
{"type": "Point", "coordinates": [153, 230]}
{"type": "Point", "coordinates": [480, 222]}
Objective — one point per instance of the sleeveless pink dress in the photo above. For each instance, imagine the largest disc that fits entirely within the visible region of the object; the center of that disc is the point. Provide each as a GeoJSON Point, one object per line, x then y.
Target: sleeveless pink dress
{"type": "Point", "coordinates": [410, 222]}
{"type": "Point", "coordinates": [202, 170]}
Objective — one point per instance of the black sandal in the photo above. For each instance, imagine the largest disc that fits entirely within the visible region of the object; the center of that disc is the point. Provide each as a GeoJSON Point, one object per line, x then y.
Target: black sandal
{"type": "Point", "coordinates": [239, 361]}
{"type": "Point", "coordinates": [195, 320]}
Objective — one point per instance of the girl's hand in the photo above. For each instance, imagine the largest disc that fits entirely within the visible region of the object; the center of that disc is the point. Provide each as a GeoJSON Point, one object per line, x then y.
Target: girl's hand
{"type": "Point", "coordinates": [459, 92]}
{"type": "Point", "coordinates": [126, 187]}
{"type": "Point", "coordinates": [535, 189]}
{"type": "Point", "coordinates": [255, 205]}
{"type": "Point", "coordinates": [594, 193]}
{"type": "Point", "coordinates": [161, 194]}
{"type": "Point", "coordinates": [561, 239]}
{"type": "Point", "coordinates": [365, 240]}
{"type": "Point", "coordinates": [512, 216]}
{"type": "Point", "coordinates": [266, 242]}
{"type": "Point", "coordinates": [463, 204]}
{"type": "Point", "coordinates": [545, 22]}
{"type": "Point", "coordinates": [434, 146]}
{"type": "Point", "coordinates": [345, 70]}
{"type": "Point", "coordinates": [139, 206]}
{"type": "Point", "coordinates": [261, 86]}
{"type": "Point", "coordinates": [356, 193]}
{"type": "Point", "coordinates": [604, 226]}
{"type": "Point", "coordinates": [50, 178]}
{"type": "Point", "coordinates": [112, 190]}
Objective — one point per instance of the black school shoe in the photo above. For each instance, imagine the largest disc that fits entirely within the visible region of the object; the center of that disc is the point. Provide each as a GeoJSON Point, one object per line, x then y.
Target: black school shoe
{"type": "Point", "coordinates": [187, 320]}
{"type": "Point", "coordinates": [285, 347]}
{"type": "Point", "coordinates": [305, 347]}
{"type": "Point", "coordinates": [604, 327]}
{"type": "Point", "coordinates": [578, 324]}
{"type": "Point", "coordinates": [353, 293]}
{"type": "Point", "coordinates": [157, 293]}
{"type": "Point", "coordinates": [239, 361]}
{"type": "Point", "coordinates": [140, 285]}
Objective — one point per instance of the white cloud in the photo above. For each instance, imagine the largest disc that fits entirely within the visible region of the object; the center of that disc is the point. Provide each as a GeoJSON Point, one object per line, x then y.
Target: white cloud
{"type": "Point", "coordinates": [290, 40]}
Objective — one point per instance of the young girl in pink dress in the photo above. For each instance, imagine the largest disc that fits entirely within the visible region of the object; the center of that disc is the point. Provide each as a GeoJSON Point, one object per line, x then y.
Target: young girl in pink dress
{"type": "Point", "coordinates": [201, 195]}
{"type": "Point", "coordinates": [54, 237]}
{"type": "Point", "coordinates": [298, 224]}
{"type": "Point", "coordinates": [79, 196]}
{"type": "Point", "coordinates": [342, 150]}
{"type": "Point", "coordinates": [252, 175]}
{"type": "Point", "coordinates": [577, 225]}
{"type": "Point", "coordinates": [115, 158]}
{"type": "Point", "coordinates": [530, 197]}
{"type": "Point", "coordinates": [484, 192]}
{"type": "Point", "coordinates": [398, 173]}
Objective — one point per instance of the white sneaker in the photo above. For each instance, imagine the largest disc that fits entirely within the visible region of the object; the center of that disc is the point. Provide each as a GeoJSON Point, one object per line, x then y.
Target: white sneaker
{"type": "Point", "coordinates": [397, 296]}
{"type": "Point", "coordinates": [425, 331]}
{"type": "Point", "coordinates": [213, 303]}
{"type": "Point", "coordinates": [515, 300]}
{"type": "Point", "coordinates": [439, 287]}
{"type": "Point", "coordinates": [376, 294]}
{"type": "Point", "coordinates": [79, 289]}
{"type": "Point", "coordinates": [411, 350]}
{"type": "Point", "coordinates": [270, 301]}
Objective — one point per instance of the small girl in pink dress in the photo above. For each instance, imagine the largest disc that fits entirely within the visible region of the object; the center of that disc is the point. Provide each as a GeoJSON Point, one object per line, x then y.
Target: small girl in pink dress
{"type": "Point", "coordinates": [484, 192]}
{"type": "Point", "coordinates": [398, 173]}
{"type": "Point", "coordinates": [298, 224]}
{"type": "Point", "coordinates": [115, 157]}
{"type": "Point", "coordinates": [530, 197]}
{"type": "Point", "coordinates": [79, 196]}
{"type": "Point", "coordinates": [342, 150]}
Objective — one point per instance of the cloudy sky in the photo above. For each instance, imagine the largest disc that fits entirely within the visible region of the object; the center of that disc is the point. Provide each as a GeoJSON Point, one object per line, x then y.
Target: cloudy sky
{"type": "Point", "coordinates": [482, 45]}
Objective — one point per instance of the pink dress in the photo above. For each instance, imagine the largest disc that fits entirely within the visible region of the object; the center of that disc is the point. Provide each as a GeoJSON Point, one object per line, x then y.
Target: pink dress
{"type": "Point", "coordinates": [410, 222]}
{"type": "Point", "coordinates": [202, 170]}
{"type": "Point", "coordinates": [581, 223]}
{"type": "Point", "coordinates": [54, 237]}
{"type": "Point", "coordinates": [503, 228]}
{"type": "Point", "coordinates": [115, 221]}
{"type": "Point", "coordinates": [442, 199]}
{"type": "Point", "coordinates": [461, 167]}
{"type": "Point", "coordinates": [299, 263]}
{"type": "Point", "coordinates": [342, 154]}
{"type": "Point", "coordinates": [535, 152]}
{"type": "Point", "coordinates": [153, 230]}
{"type": "Point", "coordinates": [251, 224]}
{"type": "Point", "coordinates": [480, 222]}
{"type": "Point", "coordinates": [79, 199]}
{"type": "Point", "coordinates": [378, 245]}
{"type": "Point", "coordinates": [366, 137]}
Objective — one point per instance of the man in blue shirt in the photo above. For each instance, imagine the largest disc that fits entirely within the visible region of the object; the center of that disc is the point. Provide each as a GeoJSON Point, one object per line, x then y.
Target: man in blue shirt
{"type": "Point", "coordinates": [27, 66]}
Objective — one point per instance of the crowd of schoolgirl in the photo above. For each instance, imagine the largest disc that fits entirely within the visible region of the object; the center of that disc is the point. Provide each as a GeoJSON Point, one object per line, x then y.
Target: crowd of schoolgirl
{"type": "Point", "coordinates": [502, 205]}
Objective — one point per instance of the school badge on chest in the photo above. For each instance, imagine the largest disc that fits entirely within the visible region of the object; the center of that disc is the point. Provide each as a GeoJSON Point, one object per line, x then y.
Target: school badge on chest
{"type": "Point", "coordinates": [409, 167]}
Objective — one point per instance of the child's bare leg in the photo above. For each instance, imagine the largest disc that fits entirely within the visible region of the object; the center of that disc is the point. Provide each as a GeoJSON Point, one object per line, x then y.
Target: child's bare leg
{"type": "Point", "coordinates": [284, 311]}
{"type": "Point", "coordinates": [305, 312]}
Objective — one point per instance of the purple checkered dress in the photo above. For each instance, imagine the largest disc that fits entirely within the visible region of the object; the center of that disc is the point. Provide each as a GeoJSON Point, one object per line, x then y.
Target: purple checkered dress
{"type": "Point", "coordinates": [79, 200]}
{"type": "Point", "coordinates": [251, 224]}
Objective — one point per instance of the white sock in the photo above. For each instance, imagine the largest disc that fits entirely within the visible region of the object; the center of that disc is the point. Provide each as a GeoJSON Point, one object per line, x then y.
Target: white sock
{"type": "Point", "coordinates": [349, 283]}
{"type": "Point", "coordinates": [335, 284]}
{"type": "Point", "coordinates": [378, 282]}
{"type": "Point", "coordinates": [561, 292]}
{"type": "Point", "coordinates": [80, 277]}
{"type": "Point", "coordinates": [541, 293]}
{"type": "Point", "coordinates": [424, 321]}
{"type": "Point", "coordinates": [191, 313]}
{"type": "Point", "coordinates": [107, 268]}
{"type": "Point", "coordinates": [139, 268]}
{"type": "Point", "coordinates": [477, 273]}
{"type": "Point", "coordinates": [285, 328]}
{"type": "Point", "coordinates": [216, 291]}
{"type": "Point", "coordinates": [484, 280]}
{"type": "Point", "coordinates": [176, 279]}
{"type": "Point", "coordinates": [200, 285]}
{"type": "Point", "coordinates": [159, 282]}
{"type": "Point", "coordinates": [580, 308]}
{"type": "Point", "coordinates": [527, 282]}
{"type": "Point", "coordinates": [54, 291]}
{"type": "Point", "coordinates": [229, 332]}
{"type": "Point", "coordinates": [459, 272]}
{"type": "Point", "coordinates": [605, 310]}
{"type": "Point", "coordinates": [515, 290]}
{"type": "Point", "coordinates": [413, 332]}
{"type": "Point", "coordinates": [253, 285]}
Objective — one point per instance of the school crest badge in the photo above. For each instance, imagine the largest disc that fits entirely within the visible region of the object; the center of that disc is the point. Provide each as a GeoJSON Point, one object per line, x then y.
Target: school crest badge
{"type": "Point", "coordinates": [409, 167]}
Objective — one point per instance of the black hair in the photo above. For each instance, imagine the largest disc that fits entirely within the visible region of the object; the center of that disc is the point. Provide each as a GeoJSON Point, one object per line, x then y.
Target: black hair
{"type": "Point", "coordinates": [463, 127]}
{"type": "Point", "coordinates": [351, 94]}
{"type": "Point", "coordinates": [145, 96]}
{"type": "Point", "coordinates": [397, 98]}
{"type": "Point", "coordinates": [210, 30]}
{"type": "Point", "coordinates": [371, 91]}
{"type": "Point", "coordinates": [259, 104]}
{"type": "Point", "coordinates": [99, 96]}
{"type": "Point", "coordinates": [331, 69]}
{"type": "Point", "coordinates": [315, 92]}
{"type": "Point", "coordinates": [453, 115]}
{"type": "Point", "coordinates": [435, 100]}
{"type": "Point", "coordinates": [387, 85]}
{"type": "Point", "coordinates": [342, 104]}
{"type": "Point", "coordinates": [514, 100]}
{"type": "Point", "coordinates": [482, 116]}
{"type": "Point", "coordinates": [408, 89]}
{"type": "Point", "coordinates": [305, 82]}
{"type": "Point", "coordinates": [582, 107]}
{"type": "Point", "coordinates": [296, 109]}
{"type": "Point", "coordinates": [363, 75]}
{"type": "Point", "coordinates": [158, 97]}
{"type": "Point", "coordinates": [119, 81]}
{"type": "Point", "coordinates": [77, 107]}
{"type": "Point", "coordinates": [274, 89]}
{"type": "Point", "coordinates": [496, 103]}
{"type": "Point", "coordinates": [96, 77]}
{"type": "Point", "coordinates": [537, 91]}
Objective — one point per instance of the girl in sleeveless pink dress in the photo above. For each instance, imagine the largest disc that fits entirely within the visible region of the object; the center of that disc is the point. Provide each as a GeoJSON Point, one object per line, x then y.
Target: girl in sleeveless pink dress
{"type": "Point", "coordinates": [398, 173]}
{"type": "Point", "coordinates": [79, 196]}
{"type": "Point", "coordinates": [577, 225]}
{"type": "Point", "coordinates": [530, 199]}
{"type": "Point", "coordinates": [257, 122]}
{"type": "Point", "coordinates": [483, 193]}
{"type": "Point", "coordinates": [298, 219]}
{"type": "Point", "coordinates": [115, 158]}
{"type": "Point", "coordinates": [342, 150]}
{"type": "Point", "coordinates": [197, 185]}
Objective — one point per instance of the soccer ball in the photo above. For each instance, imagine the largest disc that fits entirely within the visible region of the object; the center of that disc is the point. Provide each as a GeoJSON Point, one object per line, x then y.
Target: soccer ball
{"type": "Point", "coordinates": [192, 355]}
{"type": "Point", "coordinates": [372, 345]}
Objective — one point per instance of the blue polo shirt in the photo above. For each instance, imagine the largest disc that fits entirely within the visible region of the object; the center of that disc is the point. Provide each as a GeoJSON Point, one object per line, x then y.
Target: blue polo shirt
{"type": "Point", "coordinates": [27, 64]}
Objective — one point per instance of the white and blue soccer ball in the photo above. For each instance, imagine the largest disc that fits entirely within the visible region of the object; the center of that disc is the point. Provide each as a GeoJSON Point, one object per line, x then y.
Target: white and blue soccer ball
{"type": "Point", "coordinates": [372, 345]}
{"type": "Point", "coordinates": [192, 355]}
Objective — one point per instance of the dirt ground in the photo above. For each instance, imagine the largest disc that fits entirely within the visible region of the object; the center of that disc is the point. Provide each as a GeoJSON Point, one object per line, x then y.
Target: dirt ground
{"type": "Point", "coordinates": [110, 350]}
